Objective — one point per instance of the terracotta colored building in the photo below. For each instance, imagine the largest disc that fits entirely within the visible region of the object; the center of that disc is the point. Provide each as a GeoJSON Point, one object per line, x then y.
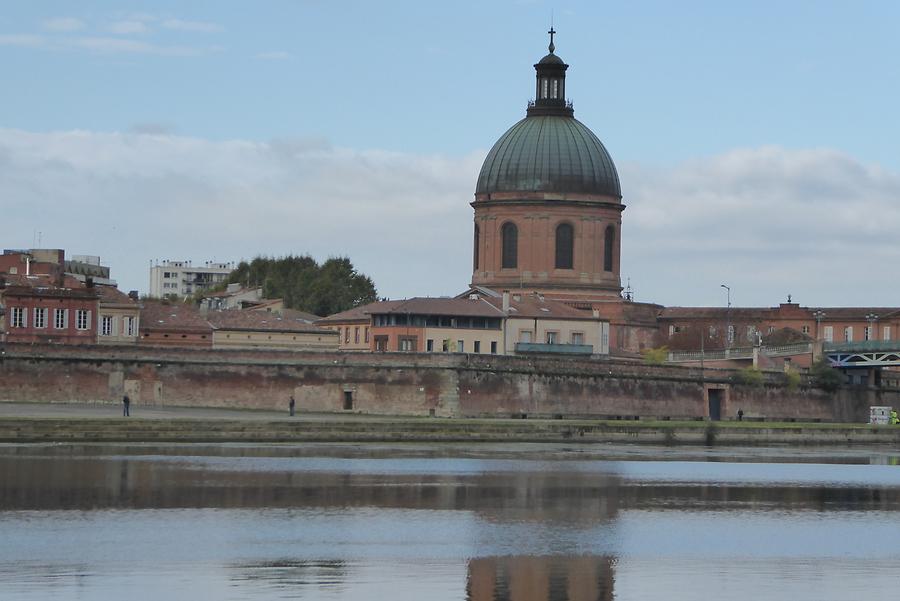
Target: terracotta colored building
{"type": "Point", "coordinates": [548, 215]}
{"type": "Point", "coordinates": [682, 327]}
{"type": "Point", "coordinates": [164, 323]}
{"type": "Point", "coordinates": [354, 325]}
{"type": "Point", "coordinates": [245, 329]}
{"type": "Point", "coordinates": [39, 311]}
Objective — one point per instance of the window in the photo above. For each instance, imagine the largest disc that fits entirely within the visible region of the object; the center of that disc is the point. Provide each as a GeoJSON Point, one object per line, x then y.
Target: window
{"type": "Point", "coordinates": [886, 333]}
{"type": "Point", "coordinates": [867, 332]}
{"type": "Point", "coordinates": [60, 319]}
{"type": "Point", "coordinates": [848, 334]}
{"type": "Point", "coordinates": [475, 252]}
{"type": "Point", "coordinates": [445, 345]}
{"type": "Point", "coordinates": [367, 335]}
{"type": "Point", "coordinates": [460, 346]}
{"type": "Point", "coordinates": [564, 242]}
{"type": "Point", "coordinates": [347, 335]}
{"type": "Point", "coordinates": [730, 334]}
{"type": "Point", "coordinates": [356, 335]}
{"type": "Point", "coordinates": [406, 344]}
{"type": "Point", "coordinates": [40, 317]}
{"type": "Point", "coordinates": [82, 319]}
{"type": "Point", "coordinates": [829, 333]}
{"type": "Point", "coordinates": [554, 88]}
{"type": "Point", "coordinates": [128, 326]}
{"type": "Point", "coordinates": [751, 330]}
{"type": "Point", "coordinates": [544, 85]}
{"type": "Point", "coordinates": [552, 337]}
{"type": "Point", "coordinates": [477, 346]}
{"type": "Point", "coordinates": [609, 244]}
{"type": "Point", "coordinates": [17, 318]}
{"type": "Point", "coordinates": [493, 347]}
{"type": "Point", "coordinates": [510, 246]}
{"type": "Point", "coordinates": [804, 329]}
{"type": "Point", "coordinates": [429, 346]}
{"type": "Point", "coordinates": [106, 325]}
{"type": "Point", "coordinates": [381, 343]}
{"type": "Point", "coordinates": [525, 336]}
{"type": "Point", "coordinates": [577, 338]}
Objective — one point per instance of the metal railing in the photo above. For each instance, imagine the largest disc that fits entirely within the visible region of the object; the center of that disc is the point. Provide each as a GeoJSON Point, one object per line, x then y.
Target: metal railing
{"type": "Point", "coordinates": [783, 350]}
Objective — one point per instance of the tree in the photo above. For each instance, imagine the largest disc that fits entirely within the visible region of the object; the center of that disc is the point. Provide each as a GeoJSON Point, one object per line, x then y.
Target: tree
{"type": "Point", "coordinates": [824, 376]}
{"type": "Point", "coordinates": [325, 289]}
{"type": "Point", "coordinates": [655, 356]}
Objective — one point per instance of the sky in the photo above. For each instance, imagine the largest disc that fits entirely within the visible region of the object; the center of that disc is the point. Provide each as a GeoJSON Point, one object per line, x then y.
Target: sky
{"type": "Point", "coordinates": [756, 143]}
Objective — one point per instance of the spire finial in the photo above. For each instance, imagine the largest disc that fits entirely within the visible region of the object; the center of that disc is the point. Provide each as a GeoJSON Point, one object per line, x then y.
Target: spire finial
{"type": "Point", "coordinates": [552, 32]}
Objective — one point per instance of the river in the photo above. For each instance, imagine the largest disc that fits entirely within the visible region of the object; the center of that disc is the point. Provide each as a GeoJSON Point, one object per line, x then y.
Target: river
{"type": "Point", "coordinates": [447, 522]}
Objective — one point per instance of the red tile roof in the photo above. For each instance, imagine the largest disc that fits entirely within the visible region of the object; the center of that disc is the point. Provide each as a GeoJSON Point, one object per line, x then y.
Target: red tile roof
{"type": "Point", "coordinates": [164, 315]}
{"type": "Point", "coordinates": [361, 313]}
{"type": "Point", "coordinates": [460, 307]}
{"type": "Point", "coordinates": [235, 319]}
{"type": "Point", "coordinates": [536, 306]}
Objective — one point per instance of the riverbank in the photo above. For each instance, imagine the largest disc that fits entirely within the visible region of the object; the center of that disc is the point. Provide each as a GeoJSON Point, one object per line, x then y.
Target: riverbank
{"type": "Point", "coordinates": [30, 423]}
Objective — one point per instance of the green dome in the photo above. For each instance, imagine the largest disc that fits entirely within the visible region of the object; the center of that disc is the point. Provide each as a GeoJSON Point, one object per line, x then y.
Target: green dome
{"type": "Point", "coordinates": [549, 153]}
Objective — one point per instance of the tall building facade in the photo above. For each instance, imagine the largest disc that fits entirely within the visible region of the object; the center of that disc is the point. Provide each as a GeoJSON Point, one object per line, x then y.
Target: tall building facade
{"type": "Point", "coordinates": [182, 278]}
{"type": "Point", "coordinates": [548, 204]}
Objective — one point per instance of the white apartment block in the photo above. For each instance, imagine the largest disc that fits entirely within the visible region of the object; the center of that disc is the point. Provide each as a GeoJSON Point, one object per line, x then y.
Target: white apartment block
{"type": "Point", "coordinates": [182, 278]}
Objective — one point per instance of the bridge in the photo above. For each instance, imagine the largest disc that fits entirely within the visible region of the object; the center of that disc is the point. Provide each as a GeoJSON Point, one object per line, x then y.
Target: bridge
{"type": "Point", "coordinates": [871, 353]}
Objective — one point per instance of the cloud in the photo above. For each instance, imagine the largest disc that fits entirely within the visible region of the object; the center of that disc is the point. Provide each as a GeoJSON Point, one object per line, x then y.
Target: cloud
{"type": "Point", "coordinates": [23, 40]}
{"type": "Point", "coordinates": [198, 26]}
{"type": "Point", "coordinates": [115, 45]}
{"type": "Point", "coordinates": [768, 222]}
{"type": "Point", "coordinates": [816, 224]}
{"type": "Point", "coordinates": [63, 24]}
{"type": "Point", "coordinates": [128, 27]}
{"type": "Point", "coordinates": [403, 219]}
{"type": "Point", "coordinates": [276, 55]}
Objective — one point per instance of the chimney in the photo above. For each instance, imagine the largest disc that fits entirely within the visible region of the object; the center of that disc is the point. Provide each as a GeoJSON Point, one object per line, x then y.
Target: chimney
{"type": "Point", "coordinates": [133, 295]}
{"type": "Point", "coordinates": [506, 301]}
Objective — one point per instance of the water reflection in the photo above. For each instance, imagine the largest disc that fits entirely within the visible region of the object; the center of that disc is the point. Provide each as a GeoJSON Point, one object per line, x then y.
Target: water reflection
{"type": "Point", "coordinates": [183, 522]}
{"type": "Point", "coordinates": [580, 492]}
{"type": "Point", "coordinates": [525, 578]}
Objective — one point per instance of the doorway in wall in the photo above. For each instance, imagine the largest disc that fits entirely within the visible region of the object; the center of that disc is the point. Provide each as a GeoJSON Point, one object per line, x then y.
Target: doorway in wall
{"type": "Point", "coordinates": [715, 403]}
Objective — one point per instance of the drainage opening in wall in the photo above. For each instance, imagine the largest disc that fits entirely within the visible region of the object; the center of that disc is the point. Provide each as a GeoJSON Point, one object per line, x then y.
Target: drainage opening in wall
{"type": "Point", "coordinates": [348, 400]}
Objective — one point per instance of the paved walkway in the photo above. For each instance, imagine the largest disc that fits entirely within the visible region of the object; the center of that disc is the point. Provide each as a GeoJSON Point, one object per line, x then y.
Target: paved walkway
{"type": "Point", "coordinates": [101, 410]}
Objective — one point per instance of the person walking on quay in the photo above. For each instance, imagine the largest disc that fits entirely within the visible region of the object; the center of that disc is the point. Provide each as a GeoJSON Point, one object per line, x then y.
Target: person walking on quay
{"type": "Point", "coordinates": [291, 404]}
{"type": "Point", "coordinates": [126, 405]}
{"type": "Point", "coordinates": [740, 415]}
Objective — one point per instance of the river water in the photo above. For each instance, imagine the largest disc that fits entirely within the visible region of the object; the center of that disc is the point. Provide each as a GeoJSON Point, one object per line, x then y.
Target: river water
{"type": "Point", "coordinates": [445, 522]}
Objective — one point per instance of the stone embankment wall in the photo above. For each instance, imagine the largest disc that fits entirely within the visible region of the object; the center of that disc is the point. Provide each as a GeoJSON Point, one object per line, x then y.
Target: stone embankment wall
{"type": "Point", "coordinates": [444, 385]}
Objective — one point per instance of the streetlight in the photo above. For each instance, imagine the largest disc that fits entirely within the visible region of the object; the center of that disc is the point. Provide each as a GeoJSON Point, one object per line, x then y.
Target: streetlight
{"type": "Point", "coordinates": [819, 315]}
{"type": "Point", "coordinates": [728, 335]}
{"type": "Point", "coordinates": [870, 332]}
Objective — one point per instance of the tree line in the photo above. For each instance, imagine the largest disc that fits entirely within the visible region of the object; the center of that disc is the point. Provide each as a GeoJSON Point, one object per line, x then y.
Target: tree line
{"type": "Point", "coordinates": [304, 284]}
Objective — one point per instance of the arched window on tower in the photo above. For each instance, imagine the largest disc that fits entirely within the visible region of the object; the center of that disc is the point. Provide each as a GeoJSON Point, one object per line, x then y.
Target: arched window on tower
{"type": "Point", "coordinates": [609, 243]}
{"type": "Point", "coordinates": [475, 254]}
{"type": "Point", "coordinates": [564, 243]}
{"type": "Point", "coordinates": [510, 239]}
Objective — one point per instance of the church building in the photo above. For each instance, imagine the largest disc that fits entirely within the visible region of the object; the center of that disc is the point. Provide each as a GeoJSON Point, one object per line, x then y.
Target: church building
{"type": "Point", "coordinates": [548, 213]}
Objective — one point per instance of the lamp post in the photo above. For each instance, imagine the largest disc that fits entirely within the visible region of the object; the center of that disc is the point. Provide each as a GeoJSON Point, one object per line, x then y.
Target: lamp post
{"type": "Point", "coordinates": [727, 317]}
{"type": "Point", "coordinates": [819, 315]}
{"type": "Point", "coordinates": [871, 318]}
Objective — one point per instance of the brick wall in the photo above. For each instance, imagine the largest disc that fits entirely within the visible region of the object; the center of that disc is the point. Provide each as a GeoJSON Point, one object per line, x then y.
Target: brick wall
{"type": "Point", "coordinates": [403, 384]}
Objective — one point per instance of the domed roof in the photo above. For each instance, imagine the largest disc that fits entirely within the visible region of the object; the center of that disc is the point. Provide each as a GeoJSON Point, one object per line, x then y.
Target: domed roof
{"type": "Point", "coordinates": [551, 59]}
{"type": "Point", "coordinates": [549, 153]}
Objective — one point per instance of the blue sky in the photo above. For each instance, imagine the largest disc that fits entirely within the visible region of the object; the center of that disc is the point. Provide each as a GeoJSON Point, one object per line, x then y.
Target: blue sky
{"type": "Point", "coordinates": [756, 142]}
